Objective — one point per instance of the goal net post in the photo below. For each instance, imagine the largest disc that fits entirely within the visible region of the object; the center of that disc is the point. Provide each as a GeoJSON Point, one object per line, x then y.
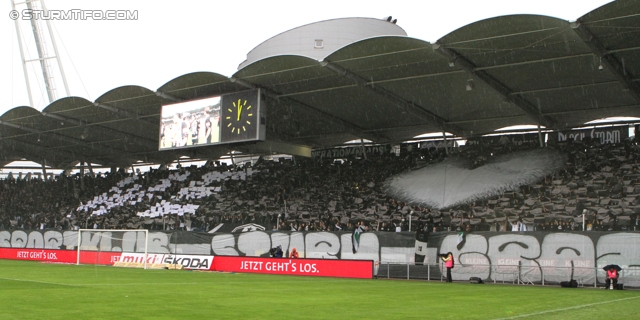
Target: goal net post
{"type": "Point", "coordinates": [106, 247]}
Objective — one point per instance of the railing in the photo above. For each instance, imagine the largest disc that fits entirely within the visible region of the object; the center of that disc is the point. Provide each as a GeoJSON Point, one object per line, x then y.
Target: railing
{"type": "Point", "coordinates": [514, 274]}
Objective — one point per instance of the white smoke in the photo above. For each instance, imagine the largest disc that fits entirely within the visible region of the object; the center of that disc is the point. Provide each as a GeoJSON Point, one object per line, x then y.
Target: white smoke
{"type": "Point", "coordinates": [451, 183]}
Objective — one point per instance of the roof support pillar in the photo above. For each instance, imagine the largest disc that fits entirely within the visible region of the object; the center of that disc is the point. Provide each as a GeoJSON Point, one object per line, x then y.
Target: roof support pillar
{"type": "Point", "coordinates": [444, 137]}
{"type": "Point", "coordinates": [44, 168]}
{"type": "Point", "coordinates": [540, 136]}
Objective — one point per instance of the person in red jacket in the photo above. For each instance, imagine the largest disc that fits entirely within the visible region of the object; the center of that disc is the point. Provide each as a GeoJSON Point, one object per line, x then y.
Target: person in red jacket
{"type": "Point", "coordinates": [612, 275]}
{"type": "Point", "coordinates": [294, 254]}
{"type": "Point", "coordinates": [448, 263]}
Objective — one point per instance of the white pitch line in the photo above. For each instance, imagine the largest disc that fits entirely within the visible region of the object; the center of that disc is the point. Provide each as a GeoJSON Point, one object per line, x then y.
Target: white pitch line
{"type": "Point", "coordinates": [134, 284]}
{"type": "Point", "coordinates": [103, 284]}
{"type": "Point", "coordinates": [43, 282]}
{"type": "Point", "coordinates": [172, 283]}
{"type": "Point", "coordinates": [139, 284]}
{"type": "Point", "coordinates": [568, 308]}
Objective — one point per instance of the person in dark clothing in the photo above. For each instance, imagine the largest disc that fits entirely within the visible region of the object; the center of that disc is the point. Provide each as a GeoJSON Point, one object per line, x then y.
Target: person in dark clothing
{"type": "Point", "coordinates": [276, 252]}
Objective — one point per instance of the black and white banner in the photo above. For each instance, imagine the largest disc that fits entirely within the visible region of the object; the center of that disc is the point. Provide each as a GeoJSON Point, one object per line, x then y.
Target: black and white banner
{"type": "Point", "coordinates": [347, 152]}
{"type": "Point", "coordinates": [604, 135]}
{"type": "Point", "coordinates": [492, 256]}
{"type": "Point", "coordinates": [527, 256]}
{"type": "Point", "coordinates": [505, 139]}
{"type": "Point", "coordinates": [383, 247]}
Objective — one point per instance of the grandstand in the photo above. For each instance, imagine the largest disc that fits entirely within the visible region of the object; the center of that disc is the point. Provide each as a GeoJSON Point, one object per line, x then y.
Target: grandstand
{"type": "Point", "coordinates": [305, 112]}
{"type": "Point", "coordinates": [386, 88]}
{"type": "Point", "coordinates": [315, 194]}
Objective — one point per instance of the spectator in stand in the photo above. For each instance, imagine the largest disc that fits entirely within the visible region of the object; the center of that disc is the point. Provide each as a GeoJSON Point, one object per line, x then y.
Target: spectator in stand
{"type": "Point", "coordinates": [329, 195]}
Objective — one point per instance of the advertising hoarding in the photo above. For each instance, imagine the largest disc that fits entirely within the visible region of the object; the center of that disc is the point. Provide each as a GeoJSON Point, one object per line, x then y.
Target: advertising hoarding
{"type": "Point", "coordinates": [362, 269]}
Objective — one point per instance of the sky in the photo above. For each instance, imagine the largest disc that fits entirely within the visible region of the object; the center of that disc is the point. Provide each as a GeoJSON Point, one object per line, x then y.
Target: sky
{"type": "Point", "coordinates": [169, 39]}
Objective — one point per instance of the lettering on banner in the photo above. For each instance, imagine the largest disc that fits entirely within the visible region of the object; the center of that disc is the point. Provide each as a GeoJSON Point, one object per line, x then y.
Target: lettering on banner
{"type": "Point", "coordinates": [15, 240]}
{"type": "Point", "coordinates": [557, 256]}
{"type": "Point", "coordinates": [19, 239]}
{"type": "Point", "coordinates": [251, 265]}
{"type": "Point", "coordinates": [255, 243]}
{"type": "Point", "coordinates": [37, 255]}
{"type": "Point", "coordinates": [512, 251]}
{"type": "Point", "coordinates": [36, 240]}
{"type": "Point", "coordinates": [53, 239]}
{"type": "Point", "coordinates": [604, 135]}
{"type": "Point", "coordinates": [70, 239]}
{"type": "Point", "coordinates": [5, 239]}
{"type": "Point", "coordinates": [285, 266]}
{"type": "Point", "coordinates": [277, 266]}
{"type": "Point", "coordinates": [475, 261]}
{"type": "Point", "coordinates": [574, 254]}
{"type": "Point", "coordinates": [435, 145]}
{"type": "Point", "coordinates": [623, 249]}
{"type": "Point", "coordinates": [350, 151]}
{"type": "Point", "coordinates": [547, 262]}
{"type": "Point", "coordinates": [578, 263]}
{"type": "Point", "coordinates": [139, 258]}
{"type": "Point", "coordinates": [158, 242]}
{"type": "Point", "coordinates": [305, 267]}
{"type": "Point", "coordinates": [475, 248]}
{"type": "Point", "coordinates": [515, 139]}
{"type": "Point", "coordinates": [224, 245]}
{"type": "Point", "coordinates": [188, 261]}
{"type": "Point", "coordinates": [321, 245]}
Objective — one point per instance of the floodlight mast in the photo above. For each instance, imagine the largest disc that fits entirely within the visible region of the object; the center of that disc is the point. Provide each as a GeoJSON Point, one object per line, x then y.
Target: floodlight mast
{"type": "Point", "coordinates": [40, 32]}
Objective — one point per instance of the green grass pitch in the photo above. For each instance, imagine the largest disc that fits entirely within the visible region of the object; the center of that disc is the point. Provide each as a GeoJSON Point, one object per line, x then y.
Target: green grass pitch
{"type": "Point", "coordinates": [31, 290]}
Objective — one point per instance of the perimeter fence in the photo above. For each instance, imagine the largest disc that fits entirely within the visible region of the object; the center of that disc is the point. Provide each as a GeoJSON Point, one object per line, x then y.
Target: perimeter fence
{"type": "Point", "coordinates": [510, 274]}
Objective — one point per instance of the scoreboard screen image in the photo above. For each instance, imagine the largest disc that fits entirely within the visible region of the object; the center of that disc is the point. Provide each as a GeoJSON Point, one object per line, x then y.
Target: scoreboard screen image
{"type": "Point", "coordinates": [229, 118]}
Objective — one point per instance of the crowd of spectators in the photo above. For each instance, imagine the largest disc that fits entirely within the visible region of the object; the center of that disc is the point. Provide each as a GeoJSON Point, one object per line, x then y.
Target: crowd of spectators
{"type": "Point", "coordinates": [600, 184]}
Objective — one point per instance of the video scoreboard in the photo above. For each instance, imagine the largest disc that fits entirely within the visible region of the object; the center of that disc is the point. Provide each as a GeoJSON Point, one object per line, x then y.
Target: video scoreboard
{"type": "Point", "coordinates": [236, 117]}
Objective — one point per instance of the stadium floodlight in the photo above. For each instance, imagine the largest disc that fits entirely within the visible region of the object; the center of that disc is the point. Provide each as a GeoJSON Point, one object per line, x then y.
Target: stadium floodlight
{"type": "Point", "coordinates": [107, 246]}
{"type": "Point", "coordinates": [84, 135]}
{"type": "Point", "coordinates": [600, 67]}
{"type": "Point", "coordinates": [470, 85]}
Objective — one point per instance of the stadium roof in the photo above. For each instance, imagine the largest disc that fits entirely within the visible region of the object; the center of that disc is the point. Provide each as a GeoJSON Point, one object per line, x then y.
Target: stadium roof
{"type": "Point", "coordinates": [498, 72]}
